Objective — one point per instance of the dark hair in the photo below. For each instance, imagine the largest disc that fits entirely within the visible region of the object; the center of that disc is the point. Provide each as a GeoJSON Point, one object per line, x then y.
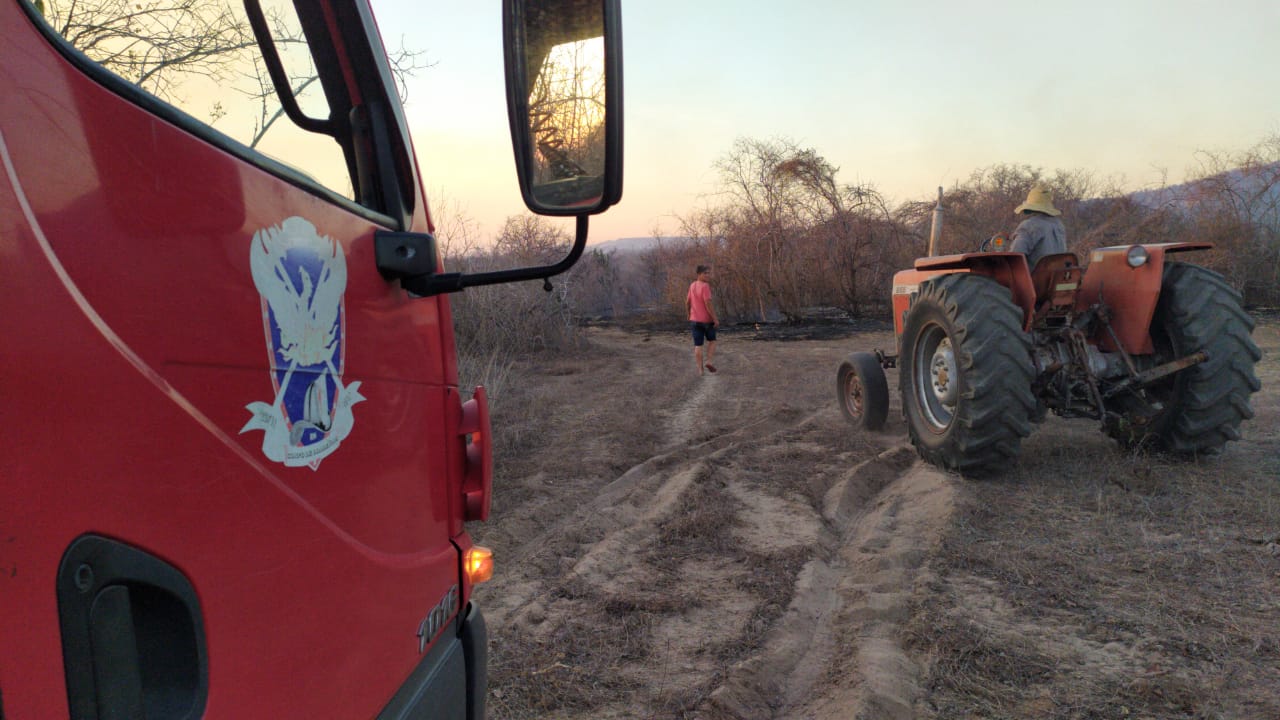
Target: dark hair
{"type": "Point", "coordinates": [701, 269]}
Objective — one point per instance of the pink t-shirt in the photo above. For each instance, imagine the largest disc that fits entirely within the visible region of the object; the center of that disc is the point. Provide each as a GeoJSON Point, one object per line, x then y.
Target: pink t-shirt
{"type": "Point", "coordinates": [699, 296]}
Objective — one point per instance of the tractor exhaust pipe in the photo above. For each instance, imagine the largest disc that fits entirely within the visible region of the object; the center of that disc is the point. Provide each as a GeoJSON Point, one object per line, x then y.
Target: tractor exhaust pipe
{"type": "Point", "coordinates": [935, 232]}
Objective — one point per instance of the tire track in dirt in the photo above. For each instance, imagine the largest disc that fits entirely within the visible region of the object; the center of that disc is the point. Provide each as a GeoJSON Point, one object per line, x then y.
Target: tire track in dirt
{"type": "Point", "coordinates": [658, 480]}
{"type": "Point", "coordinates": [680, 426]}
{"type": "Point", "coordinates": [885, 559]}
{"type": "Point", "coordinates": [625, 512]}
{"type": "Point", "coordinates": [743, 571]}
{"type": "Point", "coordinates": [834, 654]}
{"type": "Point", "coordinates": [638, 565]}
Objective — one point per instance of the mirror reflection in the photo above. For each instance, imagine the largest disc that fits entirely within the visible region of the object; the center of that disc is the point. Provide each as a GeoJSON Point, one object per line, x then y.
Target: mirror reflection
{"type": "Point", "coordinates": [565, 65]}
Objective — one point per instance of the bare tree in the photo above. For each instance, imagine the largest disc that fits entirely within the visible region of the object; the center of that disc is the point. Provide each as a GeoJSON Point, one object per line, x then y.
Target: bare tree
{"type": "Point", "coordinates": [160, 44]}
{"type": "Point", "coordinates": [850, 225]}
{"type": "Point", "coordinates": [791, 235]}
{"type": "Point", "coordinates": [758, 196]}
{"type": "Point", "coordinates": [1233, 200]}
{"type": "Point", "coordinates": [531, 239]}
{"type": "Point", "coordinates": [153, 42]}
{"type": "Point", "coordinates": [457, 233]}
{"type": "Point", "coordinates": [566, 108]}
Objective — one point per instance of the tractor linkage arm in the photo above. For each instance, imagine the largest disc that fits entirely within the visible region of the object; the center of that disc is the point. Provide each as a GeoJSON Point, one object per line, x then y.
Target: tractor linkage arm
{"type": "Point", "coordinates": [1146, 377]}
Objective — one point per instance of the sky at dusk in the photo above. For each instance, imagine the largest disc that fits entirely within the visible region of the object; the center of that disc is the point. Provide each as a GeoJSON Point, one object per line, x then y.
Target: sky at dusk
{"type": "Point", "coordinates": [904, 95]}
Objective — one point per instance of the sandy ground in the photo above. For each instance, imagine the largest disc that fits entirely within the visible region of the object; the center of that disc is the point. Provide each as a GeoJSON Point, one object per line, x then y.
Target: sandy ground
{"type": "Point", "coordinates": [676, 545]}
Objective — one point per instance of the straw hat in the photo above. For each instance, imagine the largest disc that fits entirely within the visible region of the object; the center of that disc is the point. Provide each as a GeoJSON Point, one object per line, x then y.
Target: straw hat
{"type": "Point", "coordinates": [1039, 199]}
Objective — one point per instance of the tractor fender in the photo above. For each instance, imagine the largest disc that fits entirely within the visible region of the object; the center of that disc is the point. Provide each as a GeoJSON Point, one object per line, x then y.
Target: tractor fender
{"type": "Point", "coordinates": [1130, 292]}
{"type": "Point", "coordinates": [1007, 268]}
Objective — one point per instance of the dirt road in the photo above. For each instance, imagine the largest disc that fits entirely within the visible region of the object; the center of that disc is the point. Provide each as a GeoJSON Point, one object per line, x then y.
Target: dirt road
{"type": "Point", "coordinates": [672, 545]}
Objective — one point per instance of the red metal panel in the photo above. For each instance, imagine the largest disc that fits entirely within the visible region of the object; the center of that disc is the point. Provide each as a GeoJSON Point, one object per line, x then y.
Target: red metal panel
{"type": "Point", "coordinates": [134, 339]}
{"type": "Point", "coordinates": [1131, 293]}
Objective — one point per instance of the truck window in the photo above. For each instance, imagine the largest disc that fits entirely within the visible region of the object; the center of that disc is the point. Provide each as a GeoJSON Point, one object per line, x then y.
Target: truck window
{"type": "Point", "coordinates": [201, 57]}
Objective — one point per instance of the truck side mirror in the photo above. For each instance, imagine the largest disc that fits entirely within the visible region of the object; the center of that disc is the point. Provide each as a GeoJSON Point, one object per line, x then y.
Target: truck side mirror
{"type": "Point", "coordinates": [564, 98]}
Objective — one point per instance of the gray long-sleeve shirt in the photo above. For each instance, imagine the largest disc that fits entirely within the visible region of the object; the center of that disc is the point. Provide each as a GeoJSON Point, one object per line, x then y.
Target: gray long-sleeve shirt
{"type": "Point", "coordinates": [1039, 235]}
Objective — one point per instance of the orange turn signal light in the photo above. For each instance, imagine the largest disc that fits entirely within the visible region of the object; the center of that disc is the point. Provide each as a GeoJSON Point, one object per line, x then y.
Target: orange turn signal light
{"type": "Point", "coordinates": [478, 564]}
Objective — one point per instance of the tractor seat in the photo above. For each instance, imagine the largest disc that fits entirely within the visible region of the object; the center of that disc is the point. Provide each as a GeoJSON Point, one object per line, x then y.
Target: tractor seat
{"type": "Point", "coordinates": [1053, 271]}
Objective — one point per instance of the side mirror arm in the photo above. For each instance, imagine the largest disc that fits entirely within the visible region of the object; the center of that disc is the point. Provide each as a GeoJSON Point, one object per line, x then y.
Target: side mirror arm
{"type": "Point", "coordinates": [411, 259]}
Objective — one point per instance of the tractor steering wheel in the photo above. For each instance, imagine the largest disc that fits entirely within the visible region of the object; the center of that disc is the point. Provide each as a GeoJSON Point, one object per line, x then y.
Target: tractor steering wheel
{"type": "Point", "coordinates": [996, 243]}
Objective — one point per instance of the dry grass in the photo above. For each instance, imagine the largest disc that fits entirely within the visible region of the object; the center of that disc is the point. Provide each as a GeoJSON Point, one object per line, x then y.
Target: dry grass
{"type": "Point", "coordinates": [1147, 584]}
{"type": "Point", "coordinates": [588, 662]}
{"type": "Point", "coordinates": [575, 668]}
{"type": "Point", "coordinates": [700, 524]}
{"type": "Point", "coordinates": [494, 370]}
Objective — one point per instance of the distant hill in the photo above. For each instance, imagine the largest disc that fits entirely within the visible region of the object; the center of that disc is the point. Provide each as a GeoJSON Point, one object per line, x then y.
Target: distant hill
{"type": "Point", "coordinates": [632, 244]}
{"type": "Point", "coordinates": [1257, 187]}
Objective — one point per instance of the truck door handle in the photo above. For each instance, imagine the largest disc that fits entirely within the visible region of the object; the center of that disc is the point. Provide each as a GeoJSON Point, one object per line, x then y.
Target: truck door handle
{"type": "Point", "coordinates": [114, 646]}
{"type": "Point", "coordinates": [132, 634]}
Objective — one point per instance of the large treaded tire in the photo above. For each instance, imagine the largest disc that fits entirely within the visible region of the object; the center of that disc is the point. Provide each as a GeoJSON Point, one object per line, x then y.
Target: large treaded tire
{"type": "Point", "coordinates": [964, 329]}
{"type": "Point", "coordinates": [1204, 404]}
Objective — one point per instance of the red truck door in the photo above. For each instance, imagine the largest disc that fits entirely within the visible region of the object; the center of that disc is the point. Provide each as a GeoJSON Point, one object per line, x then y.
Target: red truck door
{"type": "Point", "coordinates": [208, 381]}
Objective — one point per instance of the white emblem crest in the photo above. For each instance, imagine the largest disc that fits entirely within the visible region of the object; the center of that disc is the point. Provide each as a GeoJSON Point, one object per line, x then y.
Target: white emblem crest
{"type": "Point", "coordinates": [301, 277]}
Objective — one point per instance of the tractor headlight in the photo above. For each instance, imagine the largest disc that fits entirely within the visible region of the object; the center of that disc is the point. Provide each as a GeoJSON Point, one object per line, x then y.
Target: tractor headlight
{"type": "Point", "coordinates": [1137, 256]}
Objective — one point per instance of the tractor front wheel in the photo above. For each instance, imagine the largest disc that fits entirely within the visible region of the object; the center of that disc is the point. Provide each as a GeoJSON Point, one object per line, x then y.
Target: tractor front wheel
{"type": "Point", "coordinates": [1201, 407]}
{"type": "Point", "coordinates": [862, 391]}
{"type": "Point", "coordinates": [965, 373]}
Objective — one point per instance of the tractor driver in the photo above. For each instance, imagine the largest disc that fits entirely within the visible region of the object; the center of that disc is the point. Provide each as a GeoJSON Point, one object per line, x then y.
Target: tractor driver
{"type": "Point", "coordinates": [1042, 233]}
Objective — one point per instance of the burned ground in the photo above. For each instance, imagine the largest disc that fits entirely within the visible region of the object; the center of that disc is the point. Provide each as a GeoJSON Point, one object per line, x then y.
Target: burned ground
{"type": "Point", "coordinates": [725, 546]}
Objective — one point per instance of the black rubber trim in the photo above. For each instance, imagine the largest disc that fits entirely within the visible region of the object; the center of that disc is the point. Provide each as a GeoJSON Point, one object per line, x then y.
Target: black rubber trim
{"type": "Point", "coordinates": [279, 77]}
{"type": "Point", "coordinates": [182, 120]}
{"type": "Point", "coordinates": [475, 647]}
{"type": "Point", "coordinates": [451, 680]}
{"type": "Point", "coordinates": [381, 77]}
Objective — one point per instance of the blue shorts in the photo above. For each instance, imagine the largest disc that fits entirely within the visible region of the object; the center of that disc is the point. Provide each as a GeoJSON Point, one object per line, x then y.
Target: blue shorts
{"type": "Point", "coordinates": [702, 330]}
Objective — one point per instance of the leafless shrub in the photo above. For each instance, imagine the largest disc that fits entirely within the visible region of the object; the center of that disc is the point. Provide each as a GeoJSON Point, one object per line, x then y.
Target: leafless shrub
{"type": "Point", "coordinates": [495, 324]}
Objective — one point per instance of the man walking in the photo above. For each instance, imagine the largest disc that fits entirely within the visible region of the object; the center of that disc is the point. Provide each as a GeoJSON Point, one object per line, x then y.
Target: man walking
{"type": "Point", "coordinates": [702, 318]}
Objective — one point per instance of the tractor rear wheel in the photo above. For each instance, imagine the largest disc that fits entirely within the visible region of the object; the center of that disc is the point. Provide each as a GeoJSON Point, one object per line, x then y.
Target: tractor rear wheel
{"type": "Point", "coordinates": [862, 391]}
{"type": "Point", "coordinates": [1203, 405]}
{"type": "Point", "coordinates": [965, 373]}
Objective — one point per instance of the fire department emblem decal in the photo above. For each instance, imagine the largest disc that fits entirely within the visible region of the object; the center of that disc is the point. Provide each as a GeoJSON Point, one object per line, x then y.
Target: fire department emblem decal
{"type": "Point", "coordinates": [302, 277]}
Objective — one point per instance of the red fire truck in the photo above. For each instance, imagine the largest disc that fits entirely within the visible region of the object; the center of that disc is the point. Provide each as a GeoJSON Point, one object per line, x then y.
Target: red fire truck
{"type": "Point", "coordinates": [237, 465]}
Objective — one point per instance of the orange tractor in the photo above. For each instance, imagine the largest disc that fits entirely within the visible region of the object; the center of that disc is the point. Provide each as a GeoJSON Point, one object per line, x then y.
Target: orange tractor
{"type": "Point", "coordinates": [1159, 351]}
